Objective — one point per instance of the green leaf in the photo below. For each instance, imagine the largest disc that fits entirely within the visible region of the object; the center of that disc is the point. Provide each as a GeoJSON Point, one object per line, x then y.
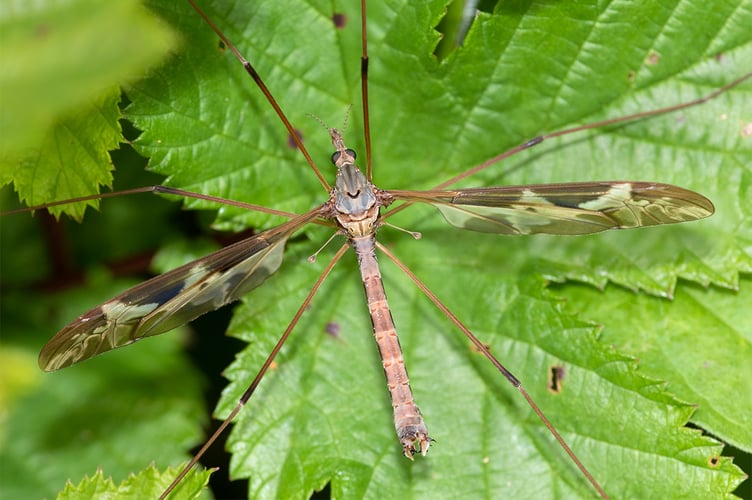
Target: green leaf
{"type": "Point", "coordinates": [148, 483]}
{"type": "Point", "coordinates": [90, 487]}
{"type": "Point", "coordinates": [322, 415]}
{"type": "Point", "coordinates": [108, 413]}
{"type": "Point", "coordinates": [702, 331]}
{"type": "Point", "coordinates": [58, 92]}
{"type": "Point", "coordinates": [84, 139]}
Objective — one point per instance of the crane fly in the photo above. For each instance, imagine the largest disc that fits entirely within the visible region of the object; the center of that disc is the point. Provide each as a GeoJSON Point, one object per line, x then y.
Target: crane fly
{"type": "Point", "coordinates": [169, 300]}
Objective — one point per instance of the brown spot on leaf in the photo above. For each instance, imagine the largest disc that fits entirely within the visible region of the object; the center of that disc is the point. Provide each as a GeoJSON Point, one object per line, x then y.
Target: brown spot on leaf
{"type": "Point", "coordinates": [475, 349]}
{"type": "Point", "coordinates": [746, 130]}
{"type": "Point", "coordinates": [42, 31]}
{"type": "Point", "coordinates": [339, 20]}
{"type": "Point", "coordinates": [291, 142]}
{"type": "Point", "coordinates": [332, 328]}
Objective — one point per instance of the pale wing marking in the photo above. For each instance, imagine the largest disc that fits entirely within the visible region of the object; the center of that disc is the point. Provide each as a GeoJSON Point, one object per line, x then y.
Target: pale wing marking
{"type": "Point", "coordinates": [173, 298]}
{"type": "Point", "coordinates": [573, 208]}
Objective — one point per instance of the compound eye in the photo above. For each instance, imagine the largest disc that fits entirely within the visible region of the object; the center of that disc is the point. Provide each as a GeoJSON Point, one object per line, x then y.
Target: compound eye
{"type": "Point", "coordinates": [337, 154]}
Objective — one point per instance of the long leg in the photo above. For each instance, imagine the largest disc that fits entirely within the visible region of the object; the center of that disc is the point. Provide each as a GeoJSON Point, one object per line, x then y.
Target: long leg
{"type": "Point", "coordinates": [262, 371]}
{"type": "Point", "coordinates": [497, 364]}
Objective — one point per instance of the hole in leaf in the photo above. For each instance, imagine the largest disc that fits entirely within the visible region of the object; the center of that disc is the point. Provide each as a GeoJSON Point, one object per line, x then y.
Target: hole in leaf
{"type": "Point", "coordinates": [556, 375]}
{"type": "Point", "coordinates": [456, 23]}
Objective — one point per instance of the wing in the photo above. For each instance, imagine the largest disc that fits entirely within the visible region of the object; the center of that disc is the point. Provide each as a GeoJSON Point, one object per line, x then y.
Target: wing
{"type": "Point", "coordinates": [573, 208]}
{"type": "Point", "coordinates": [173, 298]}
